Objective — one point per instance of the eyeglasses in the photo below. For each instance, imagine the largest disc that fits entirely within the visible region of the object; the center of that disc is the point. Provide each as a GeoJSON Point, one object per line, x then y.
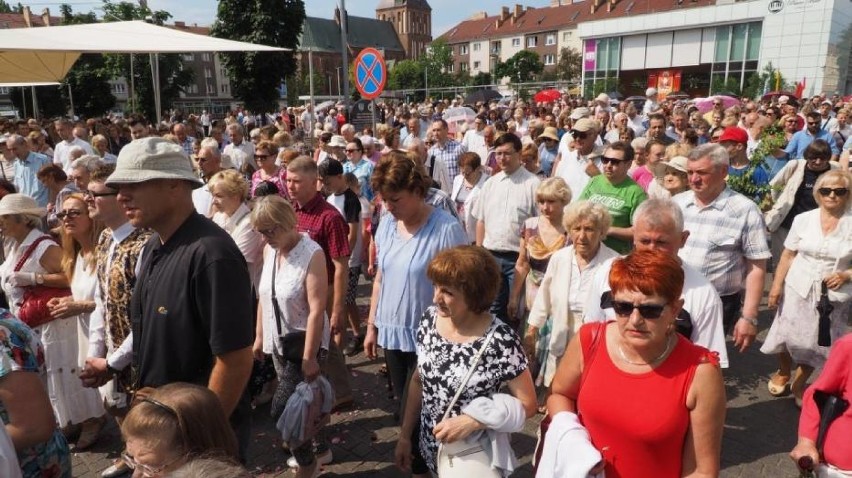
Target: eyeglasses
{"type": "Point", "coordinates": [811, 123]}
{"type": "Point", "coordinates": [579, 134]}
{"type": "Point", "coordinates": [817, 159]}
{"type": "Point", "coordinates": [839, 192]}
{"type": "Point", "coordinates": [69, 213]}
{"type": "Point", "coordinates": [353, 150]}
{"type": "Point", "coordinates": [148, 471]}
{"type": "Point", "coordinates": [647, 311]}
{"type": "Point", "coordinates": [261, 157]}
{"type": "Point", "coordinates": [608, 160]}
{"type": "Point", "coordinates": [94, 194]}
{"type": "Point", "coordinates": [267, 233]}
{"type": "Point", "coordinates": [790, 121]}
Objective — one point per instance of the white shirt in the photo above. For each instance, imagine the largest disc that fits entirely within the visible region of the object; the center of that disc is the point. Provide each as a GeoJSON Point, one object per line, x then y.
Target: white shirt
{"type": "Point", "coordinates": [242, 154]}
{"type": "Point", "coordinates": [202, 199]}
{"type": "Point", "coordinates": [506, 201]}
{"type": "Point", "coordinates": [701, 304]}
{"type": "Point", "coordinates": [475, 141]}
{"type": "Point", "coordinates": [818, 255]}
{"type": "Point", "coordinates": [572, 168]}
{"type": "Point", "coordinates": [248, 241]}
{"type": "Point", "coordinates": [61, 154]}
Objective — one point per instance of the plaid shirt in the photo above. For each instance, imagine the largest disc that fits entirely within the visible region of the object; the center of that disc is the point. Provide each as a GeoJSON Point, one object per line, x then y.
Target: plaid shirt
{"type": "Point", "coordinates": [450, 154]}
{"type": "Point", "coordinates": [324, 224]}
{"type": "Point", "coordinates": [722, 236]}
{"type": "Point", "coordinates": [187, 145]}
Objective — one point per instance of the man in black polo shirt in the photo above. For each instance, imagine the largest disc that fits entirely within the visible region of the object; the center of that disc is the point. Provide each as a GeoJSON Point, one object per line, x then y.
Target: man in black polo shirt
{"type": "Point", "coordinates": [191, 308]}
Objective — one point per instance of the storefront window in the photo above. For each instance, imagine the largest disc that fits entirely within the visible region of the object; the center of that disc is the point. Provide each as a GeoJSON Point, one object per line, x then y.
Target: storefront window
{"type": "Point", "coordinates": [722, 41]}
{"type": "Point", "coordinates": [754, 32]}
{"type": "Point", "coordinates": [738, 41]}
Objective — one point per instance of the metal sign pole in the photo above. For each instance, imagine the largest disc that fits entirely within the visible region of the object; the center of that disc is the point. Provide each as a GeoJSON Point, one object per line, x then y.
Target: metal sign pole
{"type": "Point", "coordinates": [373, 114]}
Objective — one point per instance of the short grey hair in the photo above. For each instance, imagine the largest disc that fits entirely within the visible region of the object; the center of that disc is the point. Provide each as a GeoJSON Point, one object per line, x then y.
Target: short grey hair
{"type": "Point", "coordinates": [367, 141]}
{"type": "Point", "coordinates": [15, 139]}
{"type": "Point", "coordinates": [657, 212]}
{"type": "Point", "coordinates": [586, 210]}
{"type": "Point", "coordinates": [88, 161]}
{"type": "Point", "coordinates": [716, 152]}
{"type": "Point", "coordinates": [347, 127]}
{"type": "Point", "coordinates": [211, 145]}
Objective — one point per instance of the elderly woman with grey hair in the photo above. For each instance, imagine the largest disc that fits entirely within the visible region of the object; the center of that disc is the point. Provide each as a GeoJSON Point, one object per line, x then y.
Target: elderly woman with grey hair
{"type": "Point", "coordinates": [556, 315]}
{"type": "Point", "coordinates": [81, 170]}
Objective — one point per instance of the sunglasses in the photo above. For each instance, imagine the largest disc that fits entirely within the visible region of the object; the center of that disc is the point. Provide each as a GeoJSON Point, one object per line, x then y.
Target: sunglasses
{"type": "Point", "coordinates": [94, 194]}
{"type": "Point", "coordinates": [647, 311]}
{"type": "Point", "coordinates": [812, 124]}
{"type": "Point", "coordinates": [72, 213]}
{"type": "Point", "coordinates": [608, 160]}
{"type": "Point", "coordinates": [839, 192]}
{"type": "Point", "coordinates": [579, 134]}
{"type": "Point", "coordinates": [352, 150]}
{"type": "Point", "coordinates": [262, 157]}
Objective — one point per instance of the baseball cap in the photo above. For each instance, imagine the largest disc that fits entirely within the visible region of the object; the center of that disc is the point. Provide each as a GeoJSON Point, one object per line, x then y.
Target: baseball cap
{"type": "Point", "coordinates": [735, 134]}
{"type": "Point", "coordinates": [580, 112]}
{"type": "Point", "coordinates": [586, 124]}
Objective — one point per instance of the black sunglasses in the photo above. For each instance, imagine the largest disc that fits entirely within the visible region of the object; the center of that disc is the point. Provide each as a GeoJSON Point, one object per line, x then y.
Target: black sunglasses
{"type": "Point", "coordinates": [608, 160]}
{"type": "Point", "coordinates": [647, 311]}
{"type": "Point", "coordinates": [839, 192]}
{"type": "Point", "coordinates": [579, 134]}
{"type": "Point", "coordinates": [72, 213]}
{"type": "Point", "coordinates": [93, 194]}
{"type": "Point", "coordinates": [262, 156]}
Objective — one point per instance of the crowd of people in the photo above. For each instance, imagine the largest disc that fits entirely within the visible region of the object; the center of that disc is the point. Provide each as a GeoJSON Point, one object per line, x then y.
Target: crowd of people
{"type": "Point", "coordinates": [581, 259]}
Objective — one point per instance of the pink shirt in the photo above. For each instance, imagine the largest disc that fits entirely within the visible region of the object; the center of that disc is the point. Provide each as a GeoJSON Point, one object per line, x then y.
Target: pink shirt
{"type": "Point", "coordinates": [643, 177]}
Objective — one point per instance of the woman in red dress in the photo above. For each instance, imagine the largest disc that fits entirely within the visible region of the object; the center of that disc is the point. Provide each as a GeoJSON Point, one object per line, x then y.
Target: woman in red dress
{"type": "Point", "coordinates": [653, 403]}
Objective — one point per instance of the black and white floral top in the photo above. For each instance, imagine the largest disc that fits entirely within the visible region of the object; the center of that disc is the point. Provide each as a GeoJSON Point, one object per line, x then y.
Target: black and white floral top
{"type": "Point", "coordinates": [443, 364]}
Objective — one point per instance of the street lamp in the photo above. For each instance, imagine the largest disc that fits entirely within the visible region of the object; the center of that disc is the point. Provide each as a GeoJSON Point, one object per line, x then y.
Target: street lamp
{"type": "Point", "coordinates": [338, 79]}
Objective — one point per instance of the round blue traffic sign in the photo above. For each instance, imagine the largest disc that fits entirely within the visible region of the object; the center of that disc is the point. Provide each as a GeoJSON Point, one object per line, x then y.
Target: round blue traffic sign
{"type": "Point", "coordinates": [371, 73]}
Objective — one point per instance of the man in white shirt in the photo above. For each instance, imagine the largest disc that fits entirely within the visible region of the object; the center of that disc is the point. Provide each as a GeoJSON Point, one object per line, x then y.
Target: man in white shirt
{"type": "Point", "coordinates": [658, 225]}
{"type": "Point", "coordinates": [62, 151]}
{"type": "Point", "coordinates": [582, 160]}
{"type": "Point", "coordinates": [506, 201]}
{"type": "Point", "coordinates": [474, 138]}
{"type": "Point", "coordinates": [240, 151]}
{"type": "Point", "coordinates": [205, 123]}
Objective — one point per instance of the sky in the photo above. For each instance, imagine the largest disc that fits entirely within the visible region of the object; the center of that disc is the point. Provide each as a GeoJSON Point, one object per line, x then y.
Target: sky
{"type": "Point", "coordinates": [445, 13]}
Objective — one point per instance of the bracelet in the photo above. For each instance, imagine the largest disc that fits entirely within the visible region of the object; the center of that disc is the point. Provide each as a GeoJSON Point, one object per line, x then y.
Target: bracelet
{"type": "Point", "coordinates": [750, 320]}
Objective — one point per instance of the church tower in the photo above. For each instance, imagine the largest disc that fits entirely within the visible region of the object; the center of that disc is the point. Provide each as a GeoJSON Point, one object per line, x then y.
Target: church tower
{"type": "Point", "coordinates": [412, 20]}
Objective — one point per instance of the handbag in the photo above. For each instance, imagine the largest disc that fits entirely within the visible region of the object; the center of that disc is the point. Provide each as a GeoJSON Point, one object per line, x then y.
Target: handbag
{"type": "Point", "coordinates": [597, 332]}
{"type": "Point", "coordinates": [32, 310]}
{"type": "Point", "coordinates": [464, 458]}
{"type": "Point", "coordinates": [292, 345]}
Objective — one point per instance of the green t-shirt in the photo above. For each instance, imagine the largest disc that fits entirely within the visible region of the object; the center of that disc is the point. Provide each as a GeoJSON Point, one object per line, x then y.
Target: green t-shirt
{"type": "Point", "coordinates": [621, 200]}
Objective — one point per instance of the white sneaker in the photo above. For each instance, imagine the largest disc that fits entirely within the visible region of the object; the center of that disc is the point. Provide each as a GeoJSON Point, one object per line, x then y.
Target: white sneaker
{"type": "Point", "coordinates": [322, 459]}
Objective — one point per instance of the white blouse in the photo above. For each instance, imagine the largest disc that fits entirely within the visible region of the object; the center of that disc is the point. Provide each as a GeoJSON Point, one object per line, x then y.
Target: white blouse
{"type": "Point", "coordinates": [818, 254]}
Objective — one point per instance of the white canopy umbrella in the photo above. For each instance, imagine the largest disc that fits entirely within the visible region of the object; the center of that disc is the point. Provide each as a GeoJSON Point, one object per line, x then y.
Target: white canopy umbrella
{"type": "Point", "coordinates": [34, 55]}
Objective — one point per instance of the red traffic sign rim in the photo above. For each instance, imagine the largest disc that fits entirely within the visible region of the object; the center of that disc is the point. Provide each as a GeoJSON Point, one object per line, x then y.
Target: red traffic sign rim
{"type": "Point", "coordinates": [359, 60]}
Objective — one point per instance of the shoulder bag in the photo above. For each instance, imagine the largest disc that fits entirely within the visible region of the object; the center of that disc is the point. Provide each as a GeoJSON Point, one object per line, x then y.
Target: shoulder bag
{"type": "Point", "coordinates": [292, 345]}
{"type": "Point", "coordinates": [32, 310]}
{"type": "Point", "coordinates": [464, 458]}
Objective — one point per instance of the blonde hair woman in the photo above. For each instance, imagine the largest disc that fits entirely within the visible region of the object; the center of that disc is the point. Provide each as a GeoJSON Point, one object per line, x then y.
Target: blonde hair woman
{"type": "Point", "coordinates": [229, 190]}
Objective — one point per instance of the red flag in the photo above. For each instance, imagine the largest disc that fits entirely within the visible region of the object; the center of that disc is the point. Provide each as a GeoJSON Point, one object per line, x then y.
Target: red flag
{"type": "Point", "coordinates": [800, 87]}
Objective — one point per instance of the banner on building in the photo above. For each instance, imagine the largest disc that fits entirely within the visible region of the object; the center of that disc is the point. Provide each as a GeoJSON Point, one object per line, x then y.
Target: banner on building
{"type": "Point", "coordinates": [665, 81]}
{"type": "Point", "coordinates": [590, 55]}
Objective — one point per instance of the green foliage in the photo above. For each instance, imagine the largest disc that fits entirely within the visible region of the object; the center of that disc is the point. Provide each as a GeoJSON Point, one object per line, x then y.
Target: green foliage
{"type": "Point", "coordinates": [48, 100]}
{"type": "Point", "coordinates": [299, 85]}
{"type": "Point", "coordinates": [89, 77]}
{"type": "Point", "coordinates": [768, 77]}
{"type": "Point", "coordinates": [718, 84]}
{"type": "Point", "coordinates": [406, 75]}
{"type": "Point", "coordinates": [522, 67]}
{"type": "Point", "coordinates": [771, 139]}
{"type": "Point", "coordinates": [6, 8]}
{"type": "Point", "coordinates": [604, 85]}
{"type": "Point", "coordinates": [481, 79]}
{"type": "Point", "coordinates": [255, 76]}
{"type": "Point", "coordinates": [568, 68]}
{"type": "Point", "coordinates": [437, 62]}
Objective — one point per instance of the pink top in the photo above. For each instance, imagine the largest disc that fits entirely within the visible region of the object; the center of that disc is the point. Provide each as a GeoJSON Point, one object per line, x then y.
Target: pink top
{"type": "Point", "coordinates": [279, 179]}
{"type": "Point", "coordinates": [643, 177]}
{"type": "Point", "coordinates": [836, 379]}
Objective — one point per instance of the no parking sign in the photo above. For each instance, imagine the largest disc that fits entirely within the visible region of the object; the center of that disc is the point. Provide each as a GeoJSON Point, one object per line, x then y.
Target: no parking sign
{"type": "Point", "coordinates": [371, 73]}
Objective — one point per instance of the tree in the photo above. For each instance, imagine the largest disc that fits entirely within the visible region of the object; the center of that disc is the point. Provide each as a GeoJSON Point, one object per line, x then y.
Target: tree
{"type": "Point", "coordinates": [569, 66]}
{"type": "Point", "coordinates": [173, 78]}
{"type": "Point", "coordinates": [481, 79]}
{"type": "Point", "coordinates": [522, 67]}
{"type": "Point", "coordinates": [48, 99]}
{"type": "Point", "coordinates": [255, 76]}
{"type": "Point", "coordinates": [437, 62]}
{"type": "Point", "coordinates": [89, 77]}
{"type": "Point", "coordinates": [6, 8]}
{"type": "Point", "coordinates": [406, 75]}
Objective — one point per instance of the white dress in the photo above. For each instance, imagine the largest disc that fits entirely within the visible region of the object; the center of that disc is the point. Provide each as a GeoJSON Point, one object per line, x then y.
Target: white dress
{"type": "Point", "coordinates": [72, 403]}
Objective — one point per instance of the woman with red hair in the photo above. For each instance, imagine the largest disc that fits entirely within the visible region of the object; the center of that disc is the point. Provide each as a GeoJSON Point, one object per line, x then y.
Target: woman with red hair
{"type": "Point", "coordinates": [652, 402]}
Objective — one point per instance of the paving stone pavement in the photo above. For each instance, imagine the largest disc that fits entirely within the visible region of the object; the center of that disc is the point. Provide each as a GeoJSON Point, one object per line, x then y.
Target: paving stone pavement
{"type": "Point", "coordinates": [759, 430]}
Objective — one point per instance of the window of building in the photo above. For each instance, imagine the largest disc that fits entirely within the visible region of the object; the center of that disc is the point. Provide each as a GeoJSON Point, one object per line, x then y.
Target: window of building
{"type": "Point", "coordinates": [566, 36]}
{"type": "Point", "coordinates": [532, 42]}
{"type": "Point", "coordinates": [550, 39]}
{"type": "Point", "coordinates": [476, 65]}
{"type": "Point", "coordinates": [477, 46]}
{"type": "Point", "coordinates": [463, 50]}
{"type": "Point", "coordinates": [451, 68]}
{"type": "Point", "coordinates": [4, 90]}
{"type": "Point", "coordinates": [516, 42]}
{"type": "Point", "coordinates": [737, 53]}
{"type": "Point", "coordinates": [188, 57]}
{"type": "Point", "coordinates": [207, 57]}
{"type": "Point", "coordinates": [550, 59]}
{"type": "Point", "coordinates": [462, 66]}
{"type": "Point", "coordinates": [207, 73]}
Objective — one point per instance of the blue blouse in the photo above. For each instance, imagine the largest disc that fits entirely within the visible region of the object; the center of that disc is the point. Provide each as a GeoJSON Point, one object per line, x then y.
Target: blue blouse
{"type": "Point", "coordinates": [405, 292]}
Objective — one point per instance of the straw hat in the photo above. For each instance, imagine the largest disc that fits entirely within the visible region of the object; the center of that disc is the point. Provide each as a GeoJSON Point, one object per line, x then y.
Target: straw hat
{"type": "Point", "coordinates": [549, 133]}
{"type": "Point", "coordinates": [18, 203]}
{"type": "Point", "coordinates": [152, 158]}
{"type": "Point", "coordinates": [337, 141]}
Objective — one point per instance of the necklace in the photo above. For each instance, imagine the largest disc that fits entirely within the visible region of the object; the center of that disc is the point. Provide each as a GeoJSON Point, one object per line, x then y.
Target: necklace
{"type": "Point", "coordinates": [652, 362]}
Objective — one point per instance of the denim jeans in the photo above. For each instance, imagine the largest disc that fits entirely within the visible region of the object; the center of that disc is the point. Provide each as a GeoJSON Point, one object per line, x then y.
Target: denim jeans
{"type": "Point", "coordinates": [506, 261]}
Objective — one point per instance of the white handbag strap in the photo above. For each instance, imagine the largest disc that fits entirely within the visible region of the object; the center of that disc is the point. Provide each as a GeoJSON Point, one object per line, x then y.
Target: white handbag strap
{"type": "Point", "coordinates": [473, 365]}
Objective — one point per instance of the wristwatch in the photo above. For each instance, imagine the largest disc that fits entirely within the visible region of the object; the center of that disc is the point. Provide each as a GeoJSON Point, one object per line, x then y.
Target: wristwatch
{"type": "Point", "coordinates": [750, 320]}
{"type": "Point", "coordinates": [39, 278]}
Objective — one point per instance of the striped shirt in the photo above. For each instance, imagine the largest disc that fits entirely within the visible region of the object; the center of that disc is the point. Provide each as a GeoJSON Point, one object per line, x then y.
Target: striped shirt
{"type": "Point", "coordinates": [722, 236]}
{"type": "Point", "coordinates": [450, 153]}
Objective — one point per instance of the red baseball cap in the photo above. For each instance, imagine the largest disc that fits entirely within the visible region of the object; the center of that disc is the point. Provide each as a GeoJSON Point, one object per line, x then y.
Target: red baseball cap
{"type": "Point", "coordinates": [735, 134]}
